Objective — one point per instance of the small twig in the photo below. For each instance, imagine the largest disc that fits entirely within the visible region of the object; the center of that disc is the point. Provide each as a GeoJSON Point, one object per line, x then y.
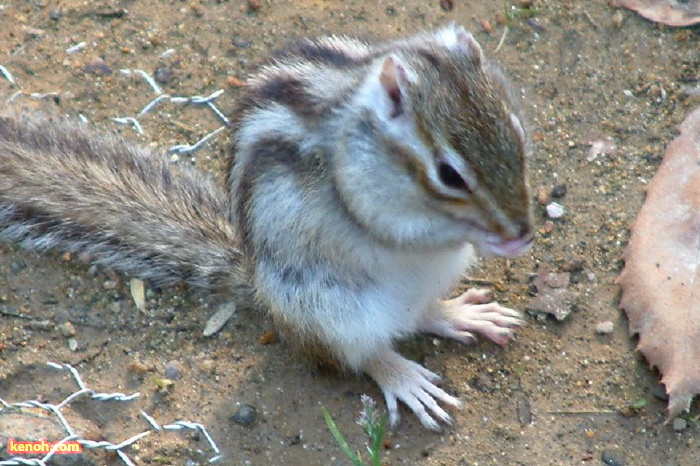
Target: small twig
{"type": "Point", "coordinates": [583, 413]}
{"type": "Point", "coordinates": [503, 39]}
{"type": "Point", "coordinates": [14, 314]}
{"type": "Point", "coordinates": [168, 53]}
{"type": "Point", "coordinates": [7, 75]}
{"type": "Point", "coordinates": [76, 48]}
{"type": "Point", "coordinates": [40, 96]}
{"type": "Point", "coordinates": [587, 15]}
{"type": "Point", "coordinates": [478, 281]}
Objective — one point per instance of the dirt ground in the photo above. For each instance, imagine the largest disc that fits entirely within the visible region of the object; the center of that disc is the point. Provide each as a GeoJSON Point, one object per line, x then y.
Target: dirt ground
{"type": "Point", "coordinates": [587, 72]}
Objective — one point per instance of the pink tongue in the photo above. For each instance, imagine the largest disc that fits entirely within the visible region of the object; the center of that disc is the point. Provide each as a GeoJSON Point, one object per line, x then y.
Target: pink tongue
{"type": "Point", "coordinates": [507, 248]}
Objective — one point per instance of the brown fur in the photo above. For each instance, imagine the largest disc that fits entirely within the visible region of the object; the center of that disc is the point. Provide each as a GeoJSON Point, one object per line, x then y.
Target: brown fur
{"type": "Point", "coordinates": [65, 186]}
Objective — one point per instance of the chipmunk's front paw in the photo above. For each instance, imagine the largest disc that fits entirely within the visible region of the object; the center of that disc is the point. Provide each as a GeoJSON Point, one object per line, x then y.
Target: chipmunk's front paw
{"type": "Point", "coordinates": [403, 380]}
{"type": "Point", "coordinates": [471, 313]}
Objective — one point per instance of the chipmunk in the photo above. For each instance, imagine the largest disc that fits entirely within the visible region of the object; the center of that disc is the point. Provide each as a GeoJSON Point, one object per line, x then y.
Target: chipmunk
{"type": "Point", "coordinates": [362, 178]}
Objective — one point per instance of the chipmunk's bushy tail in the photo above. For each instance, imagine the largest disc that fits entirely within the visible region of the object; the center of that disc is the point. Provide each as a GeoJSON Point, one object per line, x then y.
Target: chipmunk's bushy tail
{"type": "Point", "coordinates": [67, 187]}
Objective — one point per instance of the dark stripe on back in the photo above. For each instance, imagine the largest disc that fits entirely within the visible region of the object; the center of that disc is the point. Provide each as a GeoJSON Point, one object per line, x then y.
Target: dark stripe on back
{"type": "Point", "coordinates": [267, 154]}
{"type": "Point", "coordinates": [323, 54]}
{"type": "Point", "coordinates": [289, 92]}
{"type": "Point", "coordinates": [430, 57]}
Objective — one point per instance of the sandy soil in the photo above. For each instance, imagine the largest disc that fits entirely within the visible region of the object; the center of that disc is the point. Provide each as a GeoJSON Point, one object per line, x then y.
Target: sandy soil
{"type": "Point", "coordinates": [587, 71]}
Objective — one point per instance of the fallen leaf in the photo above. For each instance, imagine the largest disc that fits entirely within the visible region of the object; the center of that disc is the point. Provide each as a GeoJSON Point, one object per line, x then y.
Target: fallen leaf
{"type": "Point", "coordinates": [217, 321]}
{"type": "Point", "coordinates": [138, 292]}
{"type": "Point", "coordinates": [524, 411]}
{"type": "Point", "coordinates": [553, 295]}
{"type": "Point", "coordinates": [599, 143]}
{"type": "Point", "coordinates": [661, 279]}
{"type": "Point", "coordinates": [669, 12]}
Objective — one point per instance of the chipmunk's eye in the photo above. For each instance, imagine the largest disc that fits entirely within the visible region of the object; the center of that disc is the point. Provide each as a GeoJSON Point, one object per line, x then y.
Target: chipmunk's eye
{"type": "Point", "coordinates": [451, 178]}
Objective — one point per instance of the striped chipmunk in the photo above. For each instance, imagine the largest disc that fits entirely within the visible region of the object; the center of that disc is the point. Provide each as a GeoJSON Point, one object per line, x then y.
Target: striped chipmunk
{"type": "Point", "coordinates": [363, 178]}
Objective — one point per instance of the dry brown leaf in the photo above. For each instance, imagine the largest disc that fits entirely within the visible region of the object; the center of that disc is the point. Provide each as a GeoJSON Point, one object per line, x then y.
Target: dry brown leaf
{"type": "Point", "coordinates": [553, 295]}
{"type": "Point", "coordinates": [661, 279]}
{"type": "Point", "coordinates": [669, 12]}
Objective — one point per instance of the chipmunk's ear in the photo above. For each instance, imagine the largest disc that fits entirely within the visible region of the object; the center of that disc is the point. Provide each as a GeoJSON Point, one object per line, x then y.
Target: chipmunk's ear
{"type": "Point", "coordinates": [459, 40]}
{"type": "Point", "coordinates": [393, 79]}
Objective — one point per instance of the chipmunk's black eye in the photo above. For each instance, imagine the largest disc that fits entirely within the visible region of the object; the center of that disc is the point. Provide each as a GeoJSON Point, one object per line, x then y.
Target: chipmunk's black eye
{"type": "Point", "coordinates": [450, 177]}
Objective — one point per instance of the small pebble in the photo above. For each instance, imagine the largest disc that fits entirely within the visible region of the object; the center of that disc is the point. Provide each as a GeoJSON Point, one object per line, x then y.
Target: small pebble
{"type": "Point", "coordinates": [55, 15]}
{"type": "Point", "coordinates": [163, 74]}
{"type": "Point", "coordinates": [605, 328]}
{"type": "Point", "coordinates": [559, 191]}
{"type": "Point", "coordinates": [555, 210]}
{"type": "Point", "coordinates": [208, 365]}
{"type": "Point", "coordinates": [67, 329]}
{"type": "Point", "coordinates": [547, 227]}
{"type": "Point", "coordinates": [254, 5]}
{"type": "Point", "coordinates": [109, 284]}
{"type": "Point", "coordinates": [136, 368]}
{"type": "Point", "coordinates": [617, 19]}
{"type": "Point", "coordinates": [234, 81]}
{"type": "Point", "coordinates": [241, 44]}
{"type": "Point", "coordinates": [535, 24]}
{"type": "Point", "coordinates": [98, 67]}
{"type": "Point", "coordinates": [542, 196]}
{"type": "Point", "coordinates": [268, 338]}
{"type": "Point", "coordinates": [296, 439]}
{"type": "Point", "coordinates": [73, 344]}
{"type": "Point", "coordinates": [174, 370]}
{"type": "Point", "coordinates": [501, 18]}
{"type": "Point", "coordinates": [612, 457]}
{"type": "Point", "coordinates": [679, 424]}
{"type": "Point", "coordinates": [245, 415]}
{"type": "Point", "coordinates": [17, 266]}
{"type": "Point", "coordinates": [574, 265]}
{"type": "Point", "coordinates": [447, 5]}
